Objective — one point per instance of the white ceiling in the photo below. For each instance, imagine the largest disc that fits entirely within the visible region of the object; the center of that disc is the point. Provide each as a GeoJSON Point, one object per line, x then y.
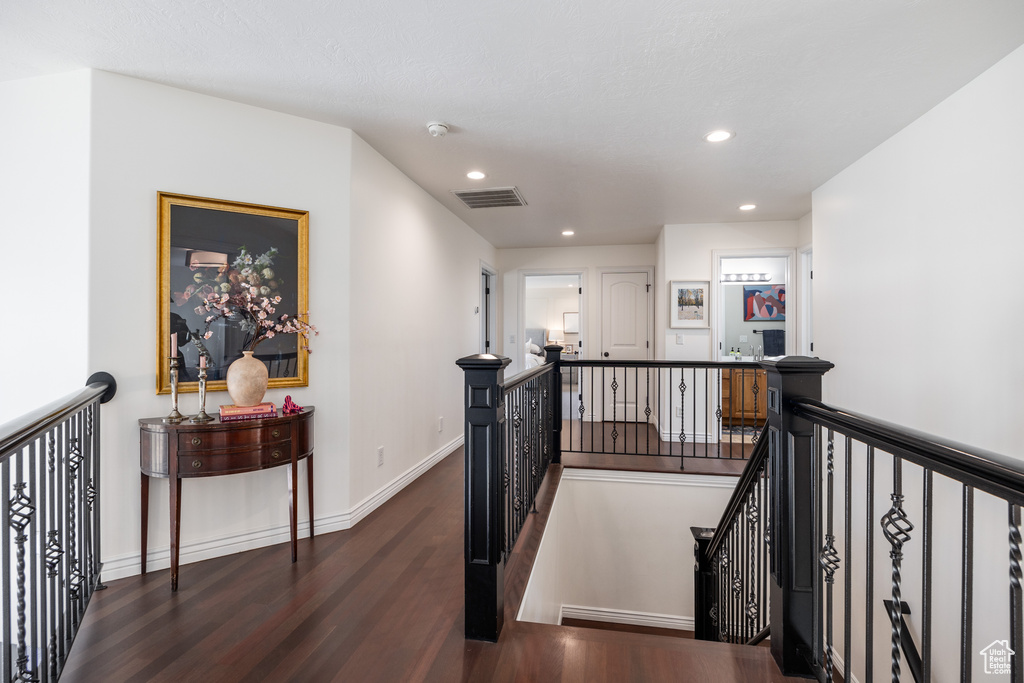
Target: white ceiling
{"type": "Point", "coordinates": [595, 110]}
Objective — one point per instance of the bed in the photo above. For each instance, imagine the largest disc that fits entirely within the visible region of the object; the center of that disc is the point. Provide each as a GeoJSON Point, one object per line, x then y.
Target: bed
{"type": "Point", "coordinates": [533, 347]}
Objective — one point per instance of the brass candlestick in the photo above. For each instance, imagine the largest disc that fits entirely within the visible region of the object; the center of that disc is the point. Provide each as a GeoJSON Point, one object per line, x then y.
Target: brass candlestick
{"type": "Point", "coordinates": [201, 416]}
{"type": "Point", "coordinates": [174, 417]}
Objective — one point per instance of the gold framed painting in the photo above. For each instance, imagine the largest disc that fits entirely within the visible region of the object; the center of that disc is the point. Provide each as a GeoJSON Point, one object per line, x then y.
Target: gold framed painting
{"type": "Point", "coordinates": [210, 247]}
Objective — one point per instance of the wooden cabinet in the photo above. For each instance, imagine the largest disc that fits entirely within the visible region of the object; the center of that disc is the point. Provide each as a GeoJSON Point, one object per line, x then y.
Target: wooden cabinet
{"type": "Point", "coordinates": [744, 397]}
{"type": "Point", "coordinates": [187, 450]}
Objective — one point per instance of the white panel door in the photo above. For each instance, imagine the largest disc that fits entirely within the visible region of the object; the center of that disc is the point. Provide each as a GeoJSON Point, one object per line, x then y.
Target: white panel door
{"type": "Point", "coordinates": [625, 335]}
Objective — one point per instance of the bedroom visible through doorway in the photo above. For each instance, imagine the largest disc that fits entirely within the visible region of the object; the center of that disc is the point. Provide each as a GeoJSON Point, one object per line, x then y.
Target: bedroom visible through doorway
{"type": "Point", "coordinates": [551, 315]}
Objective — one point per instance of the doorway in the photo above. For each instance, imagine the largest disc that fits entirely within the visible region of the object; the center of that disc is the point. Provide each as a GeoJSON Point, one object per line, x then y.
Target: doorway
{"type": "Point", "coordinates": [754, 303]}
{"type": "Point", "coordinates": [486, 310]}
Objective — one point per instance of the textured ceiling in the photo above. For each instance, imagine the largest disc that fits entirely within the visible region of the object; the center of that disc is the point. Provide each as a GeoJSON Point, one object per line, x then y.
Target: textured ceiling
{"type": "Point", "coordinates": [594, 110]}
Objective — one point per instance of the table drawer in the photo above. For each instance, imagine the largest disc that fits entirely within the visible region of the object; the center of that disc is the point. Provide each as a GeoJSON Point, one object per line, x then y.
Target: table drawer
{"type": "Point", "coordinates": [227, 438]}
{"type": "Point", "coordinates": [199, 464]}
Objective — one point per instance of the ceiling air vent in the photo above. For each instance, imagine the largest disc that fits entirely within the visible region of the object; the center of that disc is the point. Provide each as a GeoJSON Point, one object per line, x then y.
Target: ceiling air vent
{"type": "Point", "coordinates": [490, 197]}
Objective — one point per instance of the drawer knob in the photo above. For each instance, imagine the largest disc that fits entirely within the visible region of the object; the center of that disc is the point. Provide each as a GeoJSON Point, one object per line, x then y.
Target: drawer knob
{"type": "Point", "coordinates": [276, 433]}
{"type": "Point", "coordinates": [196, 441]}
{"type": "Point", "coordinates": [197, 463]}
{"type": "Point", "coordinates": [275, 454]}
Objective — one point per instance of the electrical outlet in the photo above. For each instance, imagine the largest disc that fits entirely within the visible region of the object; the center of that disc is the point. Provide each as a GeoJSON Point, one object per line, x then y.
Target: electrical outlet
{"type": "Point", "coordinates": [680, 338]}
{"type": "Point", "coordinates": [511, 339]}
{"type": "Point", "coordinates": [380, 456]}
{"type": "Point", "coordinates": [743, 338]}
{"type": "Point", "coordinates": [679, 411]}
{"type": "Point", "coordinates": [440, 425]}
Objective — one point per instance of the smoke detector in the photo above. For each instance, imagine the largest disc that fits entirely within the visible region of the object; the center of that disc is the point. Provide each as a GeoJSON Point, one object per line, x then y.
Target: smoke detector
{"type": "Point", "coordinates": [437, 129]}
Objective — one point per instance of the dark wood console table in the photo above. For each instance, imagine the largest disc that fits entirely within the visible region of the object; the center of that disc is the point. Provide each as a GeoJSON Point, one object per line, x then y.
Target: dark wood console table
{"type": "Point", "coordinates": [186, 450]}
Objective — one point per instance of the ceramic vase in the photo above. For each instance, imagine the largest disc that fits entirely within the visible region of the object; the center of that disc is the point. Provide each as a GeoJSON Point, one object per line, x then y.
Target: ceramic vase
{"type": "Point", "coordinates": [247, 380]}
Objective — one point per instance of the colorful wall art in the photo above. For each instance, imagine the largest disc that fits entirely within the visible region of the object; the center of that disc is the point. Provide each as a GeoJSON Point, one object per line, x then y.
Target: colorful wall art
{"type": "Point", "coordinates": [764, 302]}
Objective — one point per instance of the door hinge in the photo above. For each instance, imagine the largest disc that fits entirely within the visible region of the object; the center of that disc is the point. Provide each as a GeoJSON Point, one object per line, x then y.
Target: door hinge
{"type": "Point", "coordinates": [648, 286]}
{"type": "Point", "coordinates": [580, 344]}
{"type": "Point", "coordinates": [487, 290]}
{"type": "Point", "coordinates": [648, 344]}
{"type": "Point", "coordinates": [812, 274]}
{"type": "Point", "coordinates": [812, 346]}
{"type": "Point", "coordinates": [581, 290]}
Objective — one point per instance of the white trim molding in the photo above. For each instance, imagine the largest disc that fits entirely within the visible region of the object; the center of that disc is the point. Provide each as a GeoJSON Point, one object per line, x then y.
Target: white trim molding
{"type": "Point", "coordinates": [621, 616]}
{"type": "Point", "coordinates": [670, 478]}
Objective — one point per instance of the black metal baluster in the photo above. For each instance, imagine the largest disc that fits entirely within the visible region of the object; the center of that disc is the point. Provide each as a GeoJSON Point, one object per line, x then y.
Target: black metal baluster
{"type": "Point", "coordinates": [1016, 626]}
{"type": "Point", "coordinates": [967, 586]}
{"type": "Point", "coordinates": [755, 389]}
{"type": "Point", "coordinates": [848, 573]}
{"type": "Point", "coordinates": [753, 514]}
{"type": "Point", "coordinates": [54, 552]}
{"type": "Point", "coordinates": [21, 511]}
{"type": "Point", "coordinates": [718, 411]}
{"type": "Point", "coordinates": [707, 426]}
{"type": "Point", "coordinates": [896, 528]}
{"type": "Point", "coordinates": [829, 558]}
{"type": "Point", "coordinates": [37, 486]}
{"type": "Point", "coordinates": [926, 578]}
{"type": "Point", "coordinates": [647, 408]}
{"type": "Point", "coordinates": [869, 607]}
{"type": "Point", "coordinates": [615, 391]}
{"type": "Point", "coordinates": [682, 418]}
{"type": "Point", "coordinates": [636, 416]}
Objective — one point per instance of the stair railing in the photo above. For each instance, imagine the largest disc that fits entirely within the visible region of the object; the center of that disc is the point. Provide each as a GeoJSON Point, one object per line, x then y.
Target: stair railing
{"type": "Point", "coordinates": [512, 434]}
{"type": "Point", "coordinates": [49, 529]}
{"type": "Point", "coordinates": [833, 543]}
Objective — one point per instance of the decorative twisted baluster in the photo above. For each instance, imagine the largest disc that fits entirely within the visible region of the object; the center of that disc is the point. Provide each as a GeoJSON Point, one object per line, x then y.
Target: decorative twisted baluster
{"type": "Point", "coordinates": [896, 528]}
{"type": "Point", "coordinates": [21, 511]}
{"type": "Point", "coordinates": [1016, 636]}
{"type": "Point", "coordinates": [74, 463]}
{"type": "Point", "coordinates": [828, 558]}
{"type": "Point", "coordinates": [752, 516]}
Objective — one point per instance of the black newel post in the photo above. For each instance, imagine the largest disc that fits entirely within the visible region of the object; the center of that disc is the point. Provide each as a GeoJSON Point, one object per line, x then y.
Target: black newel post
{"type": "Point", "coordinates": [703, 626]}
{"type": "Point", "coordinates": [795, 617]}
{"type": "Point", "coordinates": [484, 448]}
{"type": "Point", "coordinates": [553, 354]}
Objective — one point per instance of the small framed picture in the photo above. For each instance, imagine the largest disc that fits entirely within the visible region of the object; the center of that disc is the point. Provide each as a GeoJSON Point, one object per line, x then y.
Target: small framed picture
{"type": "Point", "coordinates": [688, 302]}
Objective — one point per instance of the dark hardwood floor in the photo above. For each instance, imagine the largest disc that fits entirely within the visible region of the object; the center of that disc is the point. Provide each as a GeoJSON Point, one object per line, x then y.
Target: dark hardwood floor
{"type": "Point", "coordinates": [380, 602]}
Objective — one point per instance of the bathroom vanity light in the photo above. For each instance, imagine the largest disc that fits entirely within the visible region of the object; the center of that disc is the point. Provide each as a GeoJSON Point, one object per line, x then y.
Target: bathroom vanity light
{"type": "Point", "coordinates": [747, 277]}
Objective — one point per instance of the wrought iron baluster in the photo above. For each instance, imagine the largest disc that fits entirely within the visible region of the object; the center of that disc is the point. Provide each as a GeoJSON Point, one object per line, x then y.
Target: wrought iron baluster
{"type": "Point", "coordinates": [848, 573]}
{"type": "Point", "coordinates": [926, 578]}
{"type": "Point", "coordinates": [967, 586]}
{"type": "Point", "coordinates": [896, 527]}
{"type": "Point", "coordinates": [829, 558]}
{"type": "Point", "coordinates": [718, 411]}
{"type": "Point", "coordinates": [753, 515]}
{"type": "Point", "coordinates": [682, 418]}
{"type": "Point", "coordinates": [21, 512]}
{"type": "Point", "coordinates": [755, 389]}
{"type": "Point", "coordinates": [615, 391]}
{"type": "Point", "coordinates": [1016, 627]}
{"type": "Point", "coordinates": [869, 573]}
{"type": "Point", "coordinates": [647, 409]}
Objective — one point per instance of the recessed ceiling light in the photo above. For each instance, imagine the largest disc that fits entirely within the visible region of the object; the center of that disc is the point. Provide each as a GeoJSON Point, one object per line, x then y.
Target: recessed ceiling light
{"type": "Point", "coordinates": [718, 136]}
{"type": "Point", "coordinates": [568, 233]}
{"type": "Point", "coordinates": [476, 175]}
{"type": "Point", "coordinates": [748, 207]}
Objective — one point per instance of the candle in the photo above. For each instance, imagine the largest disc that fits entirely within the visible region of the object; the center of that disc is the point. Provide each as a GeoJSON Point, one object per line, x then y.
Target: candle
{"type": "Point", "coordinates": [174, 345]}
{"type": "Point", "coordinates": [202, 360]}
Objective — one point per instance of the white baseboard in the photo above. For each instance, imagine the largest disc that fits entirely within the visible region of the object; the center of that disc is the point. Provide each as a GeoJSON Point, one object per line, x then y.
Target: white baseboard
{"type": "Point", "coordinates": [619, 616]}
{"type": "Point", "coordinates": [129, 564]}
{"type": "Point", "coordinates": [690, 438]}
{"type": "Point", "coordinates": [668, 478]}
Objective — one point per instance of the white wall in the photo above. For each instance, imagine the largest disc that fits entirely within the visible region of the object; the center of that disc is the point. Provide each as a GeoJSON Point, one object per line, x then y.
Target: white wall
{"type": "Point", "coordinates": [146, 138]}
{"type": "Point", "coordinates": [686, 250]}
{"type": "Point", "coordinates": [44, 202]}
{"type": "Point", "coordinates": [923, 236]}
{"type": "Point", "coordinates": [589, 260]}
{"type": "Point", "coordinates": [104, 145]}
{"type": "Point", "coordinates": [617, 547]}
{"type": "Point", "coordinates": [416, 287]}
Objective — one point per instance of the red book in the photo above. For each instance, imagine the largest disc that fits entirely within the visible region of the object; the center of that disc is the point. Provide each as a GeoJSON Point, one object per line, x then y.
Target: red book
{"type": "Point", "coordinates": [260, 409]}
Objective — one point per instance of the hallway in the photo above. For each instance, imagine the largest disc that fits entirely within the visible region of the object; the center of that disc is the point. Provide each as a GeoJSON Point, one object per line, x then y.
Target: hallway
{"type": "Point", "coordinates": [380, 602]}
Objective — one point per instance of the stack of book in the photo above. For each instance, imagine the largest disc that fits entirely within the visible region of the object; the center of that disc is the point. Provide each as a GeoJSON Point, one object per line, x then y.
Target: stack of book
{"type": "Point", "coordinates": [233, 413]}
